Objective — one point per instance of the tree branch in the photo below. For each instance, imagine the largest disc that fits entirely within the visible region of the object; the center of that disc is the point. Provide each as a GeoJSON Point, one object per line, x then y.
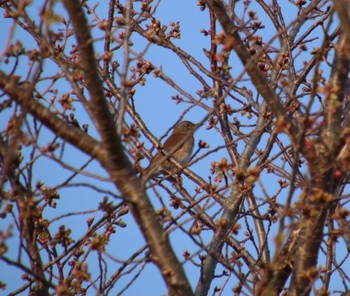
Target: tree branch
{"type": "Point", "coordinates": [260, 82]}
{"type": "Point", "coordinates": [118, 165]}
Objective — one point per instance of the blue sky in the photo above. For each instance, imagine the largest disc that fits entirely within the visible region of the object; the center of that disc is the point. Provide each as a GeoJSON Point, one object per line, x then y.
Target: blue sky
{"type": "Point", "coordinates": [154, 104]}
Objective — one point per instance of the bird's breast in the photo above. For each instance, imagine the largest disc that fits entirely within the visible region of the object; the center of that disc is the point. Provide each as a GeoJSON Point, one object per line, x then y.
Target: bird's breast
{"type": "Point", "coordinates": [184, 153]}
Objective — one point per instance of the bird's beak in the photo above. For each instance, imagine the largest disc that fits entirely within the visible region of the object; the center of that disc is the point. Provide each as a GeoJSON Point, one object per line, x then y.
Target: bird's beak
{"type": "Point", "coordinates": [197, 125]}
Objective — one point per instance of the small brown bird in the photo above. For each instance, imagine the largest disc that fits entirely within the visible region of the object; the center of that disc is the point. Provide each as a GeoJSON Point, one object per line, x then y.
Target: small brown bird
{"type": "Point", "coordinates": [179, 146]}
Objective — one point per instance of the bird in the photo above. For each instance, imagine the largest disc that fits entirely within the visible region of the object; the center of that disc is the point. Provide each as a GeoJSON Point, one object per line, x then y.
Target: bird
{"type": "Point", "coordinates": [179, 146]}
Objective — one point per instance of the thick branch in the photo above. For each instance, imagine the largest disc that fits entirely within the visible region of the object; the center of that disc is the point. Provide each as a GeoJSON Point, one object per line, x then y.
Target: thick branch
{"type": "Point", "coordinates": [111, 155]}
{"type": "Point", "coordinates": [258, 79]}
{"type": "Point", "coordinates": [321, 159]}
{"type": "Point", "coordinates": [118, 165]}
{"type": "Point", "coordinates": [343, 9]}
{"type": "Point", "coordinates": [72, 134]}
{"type": "Point", "coordinates": [229, 217]}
